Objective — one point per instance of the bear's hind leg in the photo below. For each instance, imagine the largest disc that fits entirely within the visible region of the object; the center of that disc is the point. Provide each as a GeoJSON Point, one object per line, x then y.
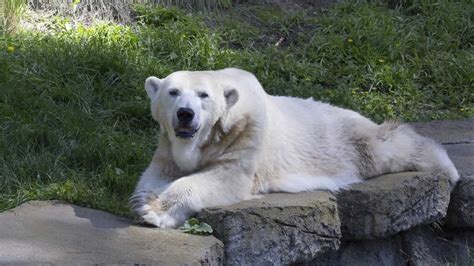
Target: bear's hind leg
{"type": "Point", "coordinates": [397, 148]}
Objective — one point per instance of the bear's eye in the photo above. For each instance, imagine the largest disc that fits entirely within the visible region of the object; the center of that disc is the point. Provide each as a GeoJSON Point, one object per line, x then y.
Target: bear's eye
{"type": "Point", "coordinates": [203, 95]}
{"type": "Point", "coordinates": [174, 92]}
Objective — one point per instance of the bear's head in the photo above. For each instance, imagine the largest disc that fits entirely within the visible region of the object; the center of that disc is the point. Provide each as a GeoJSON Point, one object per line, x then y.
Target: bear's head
{"type": "Point", "coordinates": [188, 104]}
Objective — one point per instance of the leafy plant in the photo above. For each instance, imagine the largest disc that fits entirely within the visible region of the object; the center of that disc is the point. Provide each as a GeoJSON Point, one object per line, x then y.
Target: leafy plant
{"type": "Point", "coordinates": [157, 15]}
{"type": "Point", "coordinates": [195, 227]}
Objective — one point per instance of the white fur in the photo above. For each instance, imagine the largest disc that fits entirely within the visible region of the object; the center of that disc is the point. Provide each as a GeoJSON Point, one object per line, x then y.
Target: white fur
{"type": "Point", "coordinates": [297, 183]}
{"type": "Point", "coordinates": [249, 143]}
{"type": "Point", "coordinates": [186, 156]}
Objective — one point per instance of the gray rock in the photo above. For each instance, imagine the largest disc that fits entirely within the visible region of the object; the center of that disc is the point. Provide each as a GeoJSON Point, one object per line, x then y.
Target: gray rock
{"type": "Point", "coordinates": [385, 252]}
{"type": "Point", "coordinates": [457, 138]}
{"type": "Point", "coordinates": [461, 207]}
{"type": "Point", "coordinates": [388, 204]}
{"type": "Point", "coordinates": [462, 156]}
{"type": "Point", "coordinates": [277, 229]}
{"type": "Point", "coordinates": [53, 232]}
{"type": "Point", "coordinates": [422, 245]}
{"type": "Point", "coordinates": [447, 131]}
{"type": "Point", "coordinates": [432, 245]}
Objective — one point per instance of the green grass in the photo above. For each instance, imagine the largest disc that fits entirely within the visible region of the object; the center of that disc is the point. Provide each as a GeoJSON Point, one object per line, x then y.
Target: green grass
{"type": "Point", "coordinates": [10, 12]}
{"type": "Point", "coordinates": [74, 118]}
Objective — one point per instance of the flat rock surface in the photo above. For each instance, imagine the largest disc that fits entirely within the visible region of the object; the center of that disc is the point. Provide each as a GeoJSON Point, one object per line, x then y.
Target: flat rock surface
{"type": "Point", "coordinates": [277, 229]}
{"type": "Point", "coordinates": [447, 131]}
{"type": "Point", "coordinates": [392, 203]}
{"type": "Point", "coordinates": [462, 156]}
{"type": "Point", "coordinates": [59, 233]}
{"type": "Point", "coordinates": [457, 137]}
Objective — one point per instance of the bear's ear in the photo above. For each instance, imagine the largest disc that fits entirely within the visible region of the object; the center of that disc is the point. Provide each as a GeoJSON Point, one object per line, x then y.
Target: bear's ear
{"type": "Point", "coordinates": [231, 97]}
{"type": "Point", "coordinates": [152, 84]}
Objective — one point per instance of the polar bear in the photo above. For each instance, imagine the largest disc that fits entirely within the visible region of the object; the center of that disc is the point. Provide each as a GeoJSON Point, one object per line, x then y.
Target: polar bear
{"type": "Point", "coordinates": [224, 140]}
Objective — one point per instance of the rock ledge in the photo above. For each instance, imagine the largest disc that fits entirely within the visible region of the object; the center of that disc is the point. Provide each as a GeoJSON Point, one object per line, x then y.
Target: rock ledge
{"type": "Point", "coordinates": [54, 232]}
{"type": "Point", "coordinates": [277, 229]}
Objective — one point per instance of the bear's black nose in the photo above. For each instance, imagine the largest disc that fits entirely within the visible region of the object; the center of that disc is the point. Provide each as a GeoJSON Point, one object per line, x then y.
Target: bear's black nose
{"type": "Point", "coordinates": [185, 115]}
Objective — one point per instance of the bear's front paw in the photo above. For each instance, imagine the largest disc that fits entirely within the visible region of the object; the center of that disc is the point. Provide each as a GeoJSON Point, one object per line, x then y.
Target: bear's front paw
{"type": "Point", "coordinates": [154, 211]}
{"type": "Point", "coordinates": [160, 219]}
{"type": "Point", "coordinates": [141, 202]}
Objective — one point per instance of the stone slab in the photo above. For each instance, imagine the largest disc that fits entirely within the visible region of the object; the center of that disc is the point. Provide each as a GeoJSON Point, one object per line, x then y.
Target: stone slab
{"type": "Point", "coordinates": [53, 232]}
{"type": "Point", "coordinates": [392, 203]}
{"type": "Point", "coordinates": [433, 245]}
{"type": "Point", "coordinates": [457, 137]}
{"type": "Point", "coordinates": [461, 206]}
{"type": "Point", "coordinates": [422, 245]}
{"type": "Point", "coordinates": [387, 252]}
{"type": "Point", "coordinates": [462, 156]}
{"type": "Point", "coordinates": [447, 131]}
{"type": "Point", "coordinates": [277, 229]}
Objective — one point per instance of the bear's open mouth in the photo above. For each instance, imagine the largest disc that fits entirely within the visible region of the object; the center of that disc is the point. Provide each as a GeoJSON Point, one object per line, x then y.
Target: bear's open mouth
{"type": "Point", "coordinates": [185, 133]}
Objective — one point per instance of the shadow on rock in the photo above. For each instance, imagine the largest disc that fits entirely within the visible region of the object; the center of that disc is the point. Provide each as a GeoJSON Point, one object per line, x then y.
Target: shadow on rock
{"type": "Point", "coordinates": [100, 219]}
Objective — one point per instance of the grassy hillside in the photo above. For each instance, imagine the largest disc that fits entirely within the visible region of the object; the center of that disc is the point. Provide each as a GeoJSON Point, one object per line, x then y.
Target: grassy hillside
{"type": "Point", "coordinates": [74, 118]}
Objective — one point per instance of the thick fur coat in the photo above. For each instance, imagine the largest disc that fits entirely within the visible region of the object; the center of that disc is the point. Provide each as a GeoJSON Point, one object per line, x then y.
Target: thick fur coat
{"type": "Point", "coordinates": [224, 140]}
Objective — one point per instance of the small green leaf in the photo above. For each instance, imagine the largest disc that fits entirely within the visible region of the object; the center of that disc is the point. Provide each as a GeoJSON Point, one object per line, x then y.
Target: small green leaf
{"type": "Point", "coordinates": [205, 228]}
{"type": "Point", "coordinates": [186, 226]}
{"type": "Point", "coordinates": [193, 221]}
{"type": "Point", "coordinates": [193, 226]}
